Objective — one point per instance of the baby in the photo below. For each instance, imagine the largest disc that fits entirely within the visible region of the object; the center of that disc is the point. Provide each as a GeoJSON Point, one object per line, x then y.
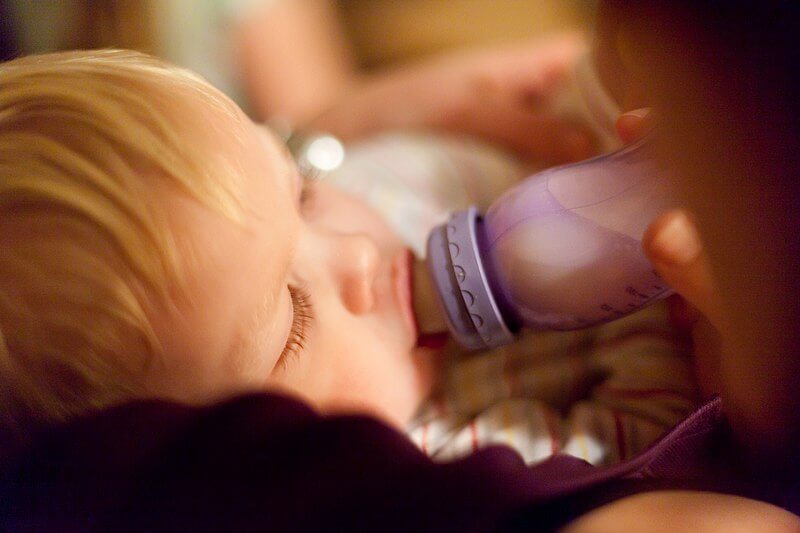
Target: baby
{"type": "Point", "coordinates": [157, 242]}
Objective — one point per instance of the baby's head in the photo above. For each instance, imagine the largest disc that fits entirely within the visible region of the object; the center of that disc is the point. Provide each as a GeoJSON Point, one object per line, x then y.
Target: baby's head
{"type": "Point", "coordinates": [157, 243]}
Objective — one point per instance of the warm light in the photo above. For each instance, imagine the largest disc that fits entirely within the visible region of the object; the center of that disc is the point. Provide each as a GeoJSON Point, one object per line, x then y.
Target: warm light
{"type": "Point", "coordinates": [325, 153]}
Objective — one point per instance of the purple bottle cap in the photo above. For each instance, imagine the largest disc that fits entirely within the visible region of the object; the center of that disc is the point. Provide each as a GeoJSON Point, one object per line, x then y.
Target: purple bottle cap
{"type": "Point", "coordinates": [462, 286]}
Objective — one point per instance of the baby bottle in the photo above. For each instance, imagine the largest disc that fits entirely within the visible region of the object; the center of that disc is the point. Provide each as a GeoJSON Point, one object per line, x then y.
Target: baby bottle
{"type": "Point", "coordinates": [561, 250]}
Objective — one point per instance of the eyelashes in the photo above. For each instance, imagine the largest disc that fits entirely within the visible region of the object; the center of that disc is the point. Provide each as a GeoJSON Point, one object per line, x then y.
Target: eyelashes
{"type": "Point", "coordinates": [302, 317]}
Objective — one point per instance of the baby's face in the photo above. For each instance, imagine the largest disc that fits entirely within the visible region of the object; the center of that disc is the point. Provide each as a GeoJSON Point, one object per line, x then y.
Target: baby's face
{"type": "Point", "coordinates": [311, 295]}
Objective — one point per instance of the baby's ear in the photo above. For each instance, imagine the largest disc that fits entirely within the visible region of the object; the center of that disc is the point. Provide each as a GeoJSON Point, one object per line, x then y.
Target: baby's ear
{"type": "Point", "coordinates": [633, 125]}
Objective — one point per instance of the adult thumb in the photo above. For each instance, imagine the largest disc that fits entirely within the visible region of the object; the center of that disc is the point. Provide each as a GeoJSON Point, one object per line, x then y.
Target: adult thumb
{"type": "Point", "coordinates": [673, 245]}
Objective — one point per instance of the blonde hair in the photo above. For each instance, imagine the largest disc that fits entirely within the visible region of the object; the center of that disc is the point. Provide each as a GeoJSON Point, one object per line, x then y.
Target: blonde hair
{"type": "Point", "coordinates": [81, 235]}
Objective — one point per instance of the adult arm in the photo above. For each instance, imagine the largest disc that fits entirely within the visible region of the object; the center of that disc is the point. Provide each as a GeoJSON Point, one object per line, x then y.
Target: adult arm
{"type": "Point", "coordinates": [296, 65]}
{"type": "Point", "coordinates": [294, 58]}
{"type": "Point", "coordinates": [499, 95]}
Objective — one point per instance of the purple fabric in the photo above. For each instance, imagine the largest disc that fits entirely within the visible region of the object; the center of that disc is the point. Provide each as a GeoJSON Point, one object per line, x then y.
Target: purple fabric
{"type": "Point", "coordinates": [269, 462]}
{"type": "Point", "coordinates": [8, 41]}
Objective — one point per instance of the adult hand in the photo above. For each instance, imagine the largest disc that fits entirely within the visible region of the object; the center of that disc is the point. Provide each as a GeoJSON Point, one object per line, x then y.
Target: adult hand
{"type": "Point", "coordinates": [673, 245]}
{"type": "Point", "coordinates": [497, 95]}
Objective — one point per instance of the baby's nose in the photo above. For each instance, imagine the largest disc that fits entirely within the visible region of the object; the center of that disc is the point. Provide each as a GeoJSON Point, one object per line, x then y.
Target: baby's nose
{"type": "Point", "coordinates": [359, 260]}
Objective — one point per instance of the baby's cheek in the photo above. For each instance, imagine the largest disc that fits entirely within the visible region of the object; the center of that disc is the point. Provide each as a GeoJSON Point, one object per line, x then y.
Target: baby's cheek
{"type": "Point", "coordinates": [429, 367]}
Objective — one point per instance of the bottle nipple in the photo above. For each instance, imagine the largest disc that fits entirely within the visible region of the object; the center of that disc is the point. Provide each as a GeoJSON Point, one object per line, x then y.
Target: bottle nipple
{"type": "Point", "coordinates": [430, 319]}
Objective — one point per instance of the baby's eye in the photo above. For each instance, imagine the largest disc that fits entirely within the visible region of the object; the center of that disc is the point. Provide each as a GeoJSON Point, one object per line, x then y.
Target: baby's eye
{"type": "Point", "coordinates": [302, 317]}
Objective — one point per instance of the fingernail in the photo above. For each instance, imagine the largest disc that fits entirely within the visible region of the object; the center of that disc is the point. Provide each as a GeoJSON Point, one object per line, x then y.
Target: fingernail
{"type": "Point", "coordinates": [677, 242]}
{"type": "Point", "coordinates": [642, 112]}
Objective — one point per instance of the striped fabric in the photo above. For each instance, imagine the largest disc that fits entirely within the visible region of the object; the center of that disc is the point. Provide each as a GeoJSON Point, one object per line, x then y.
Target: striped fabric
{"type": "Point", "coordinates": [602, 395]}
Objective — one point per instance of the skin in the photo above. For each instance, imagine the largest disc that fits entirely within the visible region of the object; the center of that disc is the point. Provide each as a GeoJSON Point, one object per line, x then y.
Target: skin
{"type": "Point", "coordinates": [359, 354]}
{"type": "Point", "coordinates": [294, 58]}
{"type": "Point", "coordinates": [701, 512]}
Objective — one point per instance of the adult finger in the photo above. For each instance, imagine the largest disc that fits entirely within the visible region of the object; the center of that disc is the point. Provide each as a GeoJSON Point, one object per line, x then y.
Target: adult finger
{"type": "Point", "coordinates": [672, 244]}
{"type": "Point", "coordinates": [633, 125]}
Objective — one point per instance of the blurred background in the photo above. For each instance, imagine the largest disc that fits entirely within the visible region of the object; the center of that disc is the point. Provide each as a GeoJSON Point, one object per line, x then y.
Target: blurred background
{"type": "Point", "coordinates": [235, 43]}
